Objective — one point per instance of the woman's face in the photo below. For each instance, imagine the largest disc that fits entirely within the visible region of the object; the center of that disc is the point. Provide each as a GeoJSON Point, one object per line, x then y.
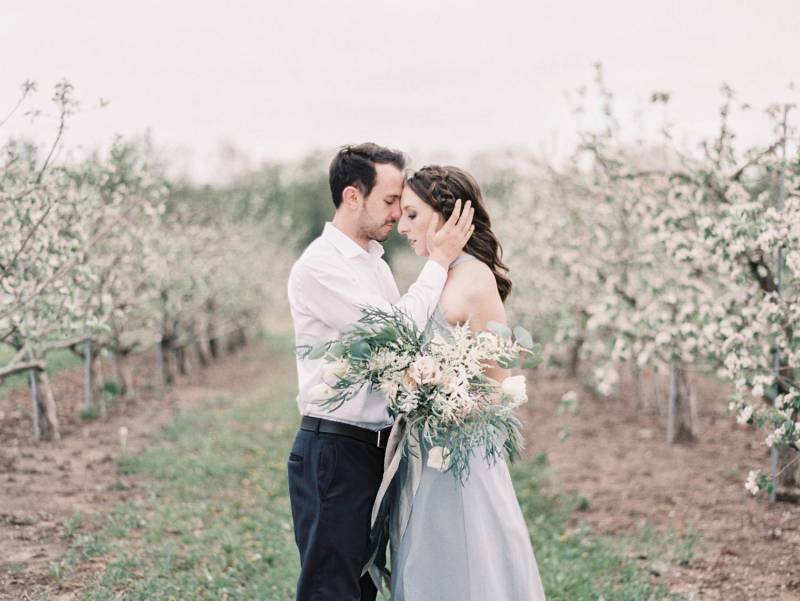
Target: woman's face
{"type": "Point", "coordinates": [414, 221]}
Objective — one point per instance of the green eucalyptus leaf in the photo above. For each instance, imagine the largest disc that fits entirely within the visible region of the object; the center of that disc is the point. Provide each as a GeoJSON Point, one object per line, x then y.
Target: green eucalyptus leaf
{"type": "Point", "coordinates": [532, 361]}
{"type": "Point", "coordinates": [523, 337]}
{"type": "Point", "coordinates": [499, 329]}
{"type": "Point", "coordinates": [360, 350]}
{"type": "Point", "coordinates": [387, 334]}
{"type": "Point", "coordinates": [507, 362]}
{"type": "Point", "coordinates": [318, 350]}
{"type": "Point", "coordinates": [337, 350]}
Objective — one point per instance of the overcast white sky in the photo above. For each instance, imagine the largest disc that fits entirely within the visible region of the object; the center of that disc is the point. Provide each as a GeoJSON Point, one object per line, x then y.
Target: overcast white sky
{"type": "Point", "coordinates": [435, 78]}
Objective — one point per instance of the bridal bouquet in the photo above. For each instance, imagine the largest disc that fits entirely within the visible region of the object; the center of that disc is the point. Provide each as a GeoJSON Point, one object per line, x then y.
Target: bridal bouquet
{"type": "Point", "coordinates": [439, 385]}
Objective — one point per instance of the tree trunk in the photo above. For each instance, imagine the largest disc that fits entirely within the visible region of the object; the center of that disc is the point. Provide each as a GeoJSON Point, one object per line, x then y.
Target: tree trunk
{"type": "Point", "coordinates": [230, 343]}
{"type": "Point", "coordinates": [202, 360]}
{"type": "Point", "coordinates": [643, 402]}
{"type": "Point", "coordinates": [575, 357]}
{"type": "Point", "coordinates": [787, 485]}
{"type": "Point", "coordinates": [680, 420]}
{"type": "Point", "coordinates": [211, 331]}
{"type": "Point", "coordinates": [237, 339]}
{"type": "Point", "coordinates": [45, 406]}
{"type": "Point", "coordinates": [99, 380]}
{"type": "Point", "coordinates": [122, 373]}
{"type": "Point", "coordinates": [89, 375]}
{"type": "Point", "coordinates": [180, 359]}
{"type": "Point", "coordinates": [659, 392]}
{"type": "Point", "coordinates": [165, 375]}
{"type": "Point", "coordinates": [580, 340]}
{"type": "Point", "coordinates": [36, 408]}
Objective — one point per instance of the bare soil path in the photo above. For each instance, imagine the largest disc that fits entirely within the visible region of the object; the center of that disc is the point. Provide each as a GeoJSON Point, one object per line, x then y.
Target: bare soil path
{"type": "Point", "coordinates": [617, 457]}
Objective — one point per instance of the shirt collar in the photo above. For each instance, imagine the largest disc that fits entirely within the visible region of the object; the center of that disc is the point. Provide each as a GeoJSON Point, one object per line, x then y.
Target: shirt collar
{"type": "Point", "coordinates": [347, 246]}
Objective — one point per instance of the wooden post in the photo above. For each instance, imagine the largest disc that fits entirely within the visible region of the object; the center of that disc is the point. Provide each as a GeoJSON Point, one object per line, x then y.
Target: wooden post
{"type": "Point", "coordinates": [88, 376]}
{"type": "Point", "coordinates": [680, 423]}
{"type": "Point", "coordinates": [37, 433]}
{"type": "Point", "coordinates": [161, 367]}
{"type": "Point", "coordinates": [659, 394]}
{"type": "Point", "coordinates": [180, 359]}
{"type": "Point", "coordinates": [211, 331]}
{"type": "Point", "coordinates": [782, 475]}
{"type": "Point", "coordinates": [673, 402]}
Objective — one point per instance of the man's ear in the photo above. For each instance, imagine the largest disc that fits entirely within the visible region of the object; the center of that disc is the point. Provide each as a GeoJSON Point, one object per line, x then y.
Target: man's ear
{"type": "Point", "coordinates": [351, 198]}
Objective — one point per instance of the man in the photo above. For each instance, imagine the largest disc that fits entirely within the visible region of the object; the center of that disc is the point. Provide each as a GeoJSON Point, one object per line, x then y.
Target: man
{"type": "Point", "coordinates": [336, 463]}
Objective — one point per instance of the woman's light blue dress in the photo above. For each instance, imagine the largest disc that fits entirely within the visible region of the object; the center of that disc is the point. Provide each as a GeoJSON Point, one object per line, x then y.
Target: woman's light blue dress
{"type": "Point", "coordinates": [463, 543]}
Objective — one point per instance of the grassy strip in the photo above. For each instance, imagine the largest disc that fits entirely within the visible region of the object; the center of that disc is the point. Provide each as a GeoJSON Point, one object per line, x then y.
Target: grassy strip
{"type": "Point", "coordinates": [215, 520]}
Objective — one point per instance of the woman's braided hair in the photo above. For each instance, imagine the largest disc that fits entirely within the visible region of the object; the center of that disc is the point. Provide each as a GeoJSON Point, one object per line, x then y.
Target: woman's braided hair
{"type": "Point", "coordinates": [440, 187]}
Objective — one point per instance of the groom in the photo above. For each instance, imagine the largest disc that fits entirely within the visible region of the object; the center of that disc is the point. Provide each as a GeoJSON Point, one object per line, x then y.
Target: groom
{"type": "Point", "coordinates": [336, 462]}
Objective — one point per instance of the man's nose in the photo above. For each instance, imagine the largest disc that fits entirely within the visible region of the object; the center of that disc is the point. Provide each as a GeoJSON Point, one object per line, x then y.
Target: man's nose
{"type": "Point", "coordinates": [396, 212]}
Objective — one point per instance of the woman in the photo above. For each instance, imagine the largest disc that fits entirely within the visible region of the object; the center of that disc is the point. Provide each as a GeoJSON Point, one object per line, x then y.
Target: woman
{"type": "Point", "coordinates": [470, 542]}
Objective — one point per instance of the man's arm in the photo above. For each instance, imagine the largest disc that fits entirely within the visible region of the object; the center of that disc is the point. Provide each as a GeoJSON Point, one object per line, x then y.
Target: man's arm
{"type": "Point", "coordinates": [327, 290]}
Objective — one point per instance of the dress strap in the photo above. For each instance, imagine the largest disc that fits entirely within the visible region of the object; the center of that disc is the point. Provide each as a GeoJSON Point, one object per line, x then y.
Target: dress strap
{"type": "Point", "coordinates": [461, 258]}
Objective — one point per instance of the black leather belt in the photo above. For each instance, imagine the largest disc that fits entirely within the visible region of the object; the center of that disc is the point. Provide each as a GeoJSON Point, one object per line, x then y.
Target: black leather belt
{"type": "Point", "coordinates": [378, 438]}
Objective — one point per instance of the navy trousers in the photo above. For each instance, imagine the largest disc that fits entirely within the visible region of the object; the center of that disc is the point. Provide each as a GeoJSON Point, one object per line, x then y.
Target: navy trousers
{"type": "Point", "coordinates": [333, 482]}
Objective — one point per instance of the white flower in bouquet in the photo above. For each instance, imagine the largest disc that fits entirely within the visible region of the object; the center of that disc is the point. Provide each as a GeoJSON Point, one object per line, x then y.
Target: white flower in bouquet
{"type": "Point", "coordinates": [516, 388]}
{"type": "Point", "coordinates": [425, 370]}
{"type": "Point", "coordinates": [408, 403]}
{"type": "Point", "coordinates": [449, 384]}
{"type": "Point", "coordinates": [446, 407]}
{"type": "Point", "coordinates": [390, 388]}
{"type": "Point", "coordinates": [382, 360]}
{"type": "Point", "coordinates": [466, 407]}
{"type": "Point", "coordinates": [320, 392]}
{"type": "Point", "coordinates": [489, 342]}
{"type": "Point", "coordinates": [409, 382]}
{"type": "Point", "coordinates": [456, 382]}
{"type": "Point", "coordinates": [334, 371]}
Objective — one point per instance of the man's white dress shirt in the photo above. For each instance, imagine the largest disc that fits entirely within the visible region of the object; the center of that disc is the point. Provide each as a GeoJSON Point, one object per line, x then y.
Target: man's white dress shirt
{"type": "Point", "coordinates": [332, 277]}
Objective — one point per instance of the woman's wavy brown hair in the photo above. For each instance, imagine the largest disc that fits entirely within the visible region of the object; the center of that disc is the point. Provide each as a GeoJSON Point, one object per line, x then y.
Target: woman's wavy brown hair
{"type": "Point", "coordinates": [440, 187]}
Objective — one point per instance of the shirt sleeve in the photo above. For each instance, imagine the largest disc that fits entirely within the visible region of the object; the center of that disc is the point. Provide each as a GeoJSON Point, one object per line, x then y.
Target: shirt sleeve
{"type": "Point", "coordinates": [327, 290]}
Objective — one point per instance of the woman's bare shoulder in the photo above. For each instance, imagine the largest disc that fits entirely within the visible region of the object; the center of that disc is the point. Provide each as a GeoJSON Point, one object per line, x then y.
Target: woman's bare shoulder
{"type": "Point", "coordinates": [475, 280]}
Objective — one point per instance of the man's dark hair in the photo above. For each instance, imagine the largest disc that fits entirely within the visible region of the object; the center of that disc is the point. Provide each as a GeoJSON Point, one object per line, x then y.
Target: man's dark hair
{"type": "Point", "coordinates": [355, 166]}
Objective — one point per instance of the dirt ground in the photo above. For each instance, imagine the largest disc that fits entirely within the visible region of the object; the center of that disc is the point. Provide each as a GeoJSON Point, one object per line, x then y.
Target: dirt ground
{"type": "Point", "coordinates": [43, 484]}
{"type": "Point", "coordinates": [617, 457]}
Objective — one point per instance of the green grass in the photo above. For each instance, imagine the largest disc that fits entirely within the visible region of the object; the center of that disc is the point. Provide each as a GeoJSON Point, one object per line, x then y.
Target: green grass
{"type": "Point", "coordinates": [214, 520]}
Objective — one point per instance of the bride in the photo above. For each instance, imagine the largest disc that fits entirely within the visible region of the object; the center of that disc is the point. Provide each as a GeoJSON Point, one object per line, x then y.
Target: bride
{"type": "Point", "coordinates": [454, 542]}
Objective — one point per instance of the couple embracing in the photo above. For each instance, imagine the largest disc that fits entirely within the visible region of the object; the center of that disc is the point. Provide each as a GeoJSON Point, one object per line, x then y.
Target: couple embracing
{"type": "Point", "coordinates": [459, 541]}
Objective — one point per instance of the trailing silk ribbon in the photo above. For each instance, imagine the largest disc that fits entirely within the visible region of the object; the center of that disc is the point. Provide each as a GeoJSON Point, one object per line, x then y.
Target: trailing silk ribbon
{"type": "Point", "coordinates": [392, 508]}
